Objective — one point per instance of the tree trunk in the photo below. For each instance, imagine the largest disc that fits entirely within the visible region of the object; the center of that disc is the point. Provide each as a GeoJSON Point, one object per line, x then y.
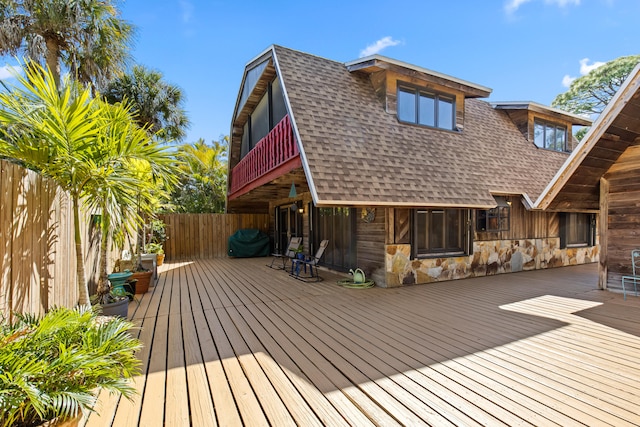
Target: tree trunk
{"type": "Point", "coordinates": [53, 60]}
{"type": "Point", "coordinates": [104, 287]}
{"type": "Point", "coordinates": [83, 288]}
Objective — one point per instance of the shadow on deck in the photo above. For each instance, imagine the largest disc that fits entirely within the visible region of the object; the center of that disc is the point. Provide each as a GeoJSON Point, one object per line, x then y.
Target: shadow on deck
{"type": "Point", "coordinates": [232, 342]}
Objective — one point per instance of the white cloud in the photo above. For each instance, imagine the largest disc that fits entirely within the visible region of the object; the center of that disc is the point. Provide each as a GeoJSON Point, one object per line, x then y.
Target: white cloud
{"type": "Point", "coordinates": [8, 71]}
{"type": "Point", "coordinates": [513, 5]}
{"type": "Point", "coordinates": [187, 10]}
{"type": "Point", "coordinates": [585, 68]}
{"type": "Point", "coordinates": [378, 46]}
{"type": "Point", "coordinates": [567, 80]}
{"type": "Point", "coordinates": [563, 3]}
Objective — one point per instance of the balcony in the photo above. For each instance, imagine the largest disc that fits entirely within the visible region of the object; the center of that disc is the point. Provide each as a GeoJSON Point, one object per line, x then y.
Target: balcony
{"type": "Point", "coordinates": [273, 156]}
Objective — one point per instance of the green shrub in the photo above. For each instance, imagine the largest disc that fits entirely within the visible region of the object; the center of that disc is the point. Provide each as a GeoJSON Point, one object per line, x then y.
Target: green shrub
{"type": "Point", "coordinates": [51, 367]}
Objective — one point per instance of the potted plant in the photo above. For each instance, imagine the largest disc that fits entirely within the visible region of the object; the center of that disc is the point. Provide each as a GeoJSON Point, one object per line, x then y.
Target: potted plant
{"type": "Point", "coordinates": [141, 274]}
{"type": "Point", "coordinates": [156, 248]}
{"type": "Point", "coordinates": [54, 365]}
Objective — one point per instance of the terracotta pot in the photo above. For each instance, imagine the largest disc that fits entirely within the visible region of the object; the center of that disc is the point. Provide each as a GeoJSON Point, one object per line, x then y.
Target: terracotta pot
{"type": "Point", "coordinates": [144, 278]}
{"type": "Point", "coordinates": [160, 260]}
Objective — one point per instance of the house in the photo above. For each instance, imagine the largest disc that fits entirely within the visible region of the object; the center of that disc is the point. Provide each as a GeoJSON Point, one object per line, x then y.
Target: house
{"type": "Point", "coordinates": [603, 174]}
{"type": "Point", "coordinates": [408, 172]}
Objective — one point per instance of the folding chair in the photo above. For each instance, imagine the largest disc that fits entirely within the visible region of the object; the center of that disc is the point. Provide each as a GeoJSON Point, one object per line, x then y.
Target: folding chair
{"type": "Point", "coordinates": [311, 262]}
{"type": "Point", "coordinates": [635, 264]}
{"type": "Point", "coordinates": [295, 244]}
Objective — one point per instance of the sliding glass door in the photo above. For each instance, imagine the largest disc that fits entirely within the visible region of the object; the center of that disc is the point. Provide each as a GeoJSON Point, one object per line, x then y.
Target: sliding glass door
{"type": "Point", "coordinates": [339, 227]}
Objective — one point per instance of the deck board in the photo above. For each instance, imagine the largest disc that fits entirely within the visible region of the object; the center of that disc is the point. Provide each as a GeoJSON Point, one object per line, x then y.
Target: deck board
{"type": "Point", "coordinates": [231, 342]}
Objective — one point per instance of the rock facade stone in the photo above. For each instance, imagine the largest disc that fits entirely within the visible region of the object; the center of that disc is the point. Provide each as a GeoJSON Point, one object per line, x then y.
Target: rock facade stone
{"type": "Point", "coordinates": [488, 258]}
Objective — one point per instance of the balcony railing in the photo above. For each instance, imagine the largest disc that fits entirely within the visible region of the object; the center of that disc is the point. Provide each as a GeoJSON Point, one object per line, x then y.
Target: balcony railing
{"type": "Point", "coordinates": [271, 152]}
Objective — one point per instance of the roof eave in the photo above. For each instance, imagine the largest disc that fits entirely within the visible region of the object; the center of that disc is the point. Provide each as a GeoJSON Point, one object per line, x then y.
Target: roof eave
{"type": "Point", "coordinates": [379, 62]}
{"type": "Point", "coordinates": [540, 108]}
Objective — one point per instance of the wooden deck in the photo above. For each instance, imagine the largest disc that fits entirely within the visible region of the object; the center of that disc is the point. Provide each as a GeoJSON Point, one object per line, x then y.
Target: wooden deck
{"type": "Point", "coordinates": [230, 342]}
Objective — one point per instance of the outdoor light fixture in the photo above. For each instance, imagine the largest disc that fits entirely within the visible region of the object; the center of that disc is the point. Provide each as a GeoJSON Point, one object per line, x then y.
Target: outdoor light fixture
{"type": "Point", "coordinates": [301, 209]}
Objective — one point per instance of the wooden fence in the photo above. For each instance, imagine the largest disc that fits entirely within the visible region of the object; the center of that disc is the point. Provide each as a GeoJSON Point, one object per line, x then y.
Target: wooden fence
{"type": "Point", "coordinates": [37, 250]}
{"type": "Point", "coordinates": [193, 236]}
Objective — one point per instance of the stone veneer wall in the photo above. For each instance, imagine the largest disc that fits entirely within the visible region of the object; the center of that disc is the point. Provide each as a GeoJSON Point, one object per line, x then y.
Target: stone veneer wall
{"type": "Point", "coordinates": [488, 258]}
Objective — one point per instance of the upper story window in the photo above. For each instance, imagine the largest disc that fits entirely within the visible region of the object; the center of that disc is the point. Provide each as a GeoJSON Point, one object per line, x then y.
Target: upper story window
{"type": "Point", "coordinates": [427, 109]}
{"type": "Point", "coordinates": [265, 116]}
{"type": "Point", "coordinates": [550, 136]}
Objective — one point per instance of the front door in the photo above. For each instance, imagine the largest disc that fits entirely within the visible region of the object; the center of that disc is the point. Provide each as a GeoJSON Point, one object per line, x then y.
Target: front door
{"type": "Point", "coordinates": [288, 225]}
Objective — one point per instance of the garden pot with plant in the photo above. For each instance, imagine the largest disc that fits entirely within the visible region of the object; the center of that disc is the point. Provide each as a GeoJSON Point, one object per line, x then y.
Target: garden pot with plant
{"type": "Point", "coordinates": [54, 365]}
{"type": "Point", "coordinates": [155, 248]}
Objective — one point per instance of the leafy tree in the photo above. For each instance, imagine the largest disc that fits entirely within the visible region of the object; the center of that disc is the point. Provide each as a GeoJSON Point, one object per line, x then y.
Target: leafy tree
{"type": "Point", "coordinates": [117, 186]}
{"type": "Point", "coordinates": [87, 36]}
{"type": "Point", "coordinates": [203, 186]}
{"type": "Point", "coordinates": [590, 94]}
{"type": "Point", "coordinates": [159, 104]}
{"type": "Point", "coordinates": [82, 143]}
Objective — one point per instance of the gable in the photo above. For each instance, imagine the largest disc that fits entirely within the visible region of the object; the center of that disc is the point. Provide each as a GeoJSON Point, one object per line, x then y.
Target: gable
{"type": "Point", "coordinates": [576, 185]}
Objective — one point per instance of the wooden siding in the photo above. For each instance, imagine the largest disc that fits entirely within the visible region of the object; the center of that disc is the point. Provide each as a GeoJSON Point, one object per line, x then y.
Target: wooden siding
{"type": "Point", "coordinates": [524, 224]}
{"type": "Point", "coordinates": [198, 236]}
{"type": "Point", "coordinates": [623, 227]}
{"type": "Point", "coordinates": [37, 249]}
{"type": "Point", "coordinates": [370, 244]}
{"type": "Point", "coordinates": [230, 342]}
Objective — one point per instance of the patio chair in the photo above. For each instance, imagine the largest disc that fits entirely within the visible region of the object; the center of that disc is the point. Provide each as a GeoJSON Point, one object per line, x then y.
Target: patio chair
{"type": "Point", "coordinates": [295, 244]}
{"type": "Point", "coordinates": [635, 268]}
{"type": "Point", "coordinates": [311, 262]}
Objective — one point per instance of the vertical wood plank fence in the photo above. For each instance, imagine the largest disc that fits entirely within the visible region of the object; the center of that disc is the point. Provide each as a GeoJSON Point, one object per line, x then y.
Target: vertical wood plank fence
{"type": "Point", "coordinates": [198, 236]}
{"type": "Point", "coordinates": [37, 249]}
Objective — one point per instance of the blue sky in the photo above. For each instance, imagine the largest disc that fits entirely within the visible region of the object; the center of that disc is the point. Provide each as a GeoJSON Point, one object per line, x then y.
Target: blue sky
{"type": "Point", "coordinates": [523, 49]}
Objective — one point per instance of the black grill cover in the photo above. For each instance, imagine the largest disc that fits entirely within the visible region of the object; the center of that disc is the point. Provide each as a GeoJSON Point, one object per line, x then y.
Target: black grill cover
{"type": "Point", "coordinates": [248, 242]}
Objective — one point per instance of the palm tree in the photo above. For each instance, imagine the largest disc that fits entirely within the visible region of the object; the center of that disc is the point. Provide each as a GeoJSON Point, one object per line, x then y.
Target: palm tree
{"type": "Point", "coordinates": [159, 105]}
{"type": "Point", "coordinates": [82, 143]}
{"type": "Point", "coordinates": [117, 188]}
{"type": "Point", "coordinates": [87, 36]}
{"type": "Point", "coordinates": [204, 181]}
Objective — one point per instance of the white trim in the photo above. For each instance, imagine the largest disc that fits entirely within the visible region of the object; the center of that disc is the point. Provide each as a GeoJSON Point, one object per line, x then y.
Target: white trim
{"type": "Point", "coordinates": [329, 203]}
{"type": "Point", "coordinates": [294, 127]}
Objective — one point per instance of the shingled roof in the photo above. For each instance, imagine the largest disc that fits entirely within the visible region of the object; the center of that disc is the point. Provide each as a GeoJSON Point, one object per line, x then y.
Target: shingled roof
{"type": "Point", "coordinates": [355, 153]}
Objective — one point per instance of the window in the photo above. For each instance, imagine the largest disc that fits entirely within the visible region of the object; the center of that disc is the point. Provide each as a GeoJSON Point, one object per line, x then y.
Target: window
{"type": "Point", "coordinates": [269, 111]}
{"type": "Point", "coordinates": [427, 109]}
{"type": "Point", "coordinates": [496, 219]}
{"type": "Point", "coordinates": [439, 232]}
{"type": "Point", "coordinates": [577, 229]}
{"type": "Point", "coordinates": [550, 136]}
{"type": "Point", "coordinates": [578, 225]}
